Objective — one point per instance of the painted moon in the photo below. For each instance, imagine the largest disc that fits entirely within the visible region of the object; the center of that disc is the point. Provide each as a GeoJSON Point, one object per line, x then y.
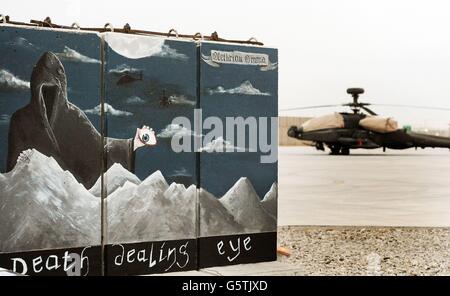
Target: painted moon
{"type": "Point", "coordinates": [134, 46]}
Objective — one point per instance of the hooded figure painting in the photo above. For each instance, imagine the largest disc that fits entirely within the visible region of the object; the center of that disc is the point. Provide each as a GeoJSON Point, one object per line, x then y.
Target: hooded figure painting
{"type": "Point", "coordinates": [56, 127]}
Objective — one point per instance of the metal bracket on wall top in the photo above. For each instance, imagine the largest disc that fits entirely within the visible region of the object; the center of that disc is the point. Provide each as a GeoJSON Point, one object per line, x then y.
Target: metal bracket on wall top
{"type": "Point", "coordinates": [47, 23]}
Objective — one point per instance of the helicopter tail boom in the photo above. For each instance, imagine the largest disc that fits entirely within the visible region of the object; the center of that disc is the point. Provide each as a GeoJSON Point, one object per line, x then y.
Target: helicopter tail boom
{"type": "Point", "coordinates": [423, 141]}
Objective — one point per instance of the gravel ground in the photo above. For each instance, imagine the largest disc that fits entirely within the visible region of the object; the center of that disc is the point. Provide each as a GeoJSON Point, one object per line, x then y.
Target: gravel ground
{"type": "Point", "coordinates": [342, 250]}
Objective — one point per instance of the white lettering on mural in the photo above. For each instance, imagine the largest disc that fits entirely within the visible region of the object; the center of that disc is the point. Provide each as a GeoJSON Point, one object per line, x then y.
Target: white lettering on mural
{"type": "Point", "coordinates": [169, 256]}
{"type": "Point", "coordinates": [239, 58]}
{"type": "Point", "coordinates": [71, 263]}
{"type": "Point", "coordinates": [232, 249]}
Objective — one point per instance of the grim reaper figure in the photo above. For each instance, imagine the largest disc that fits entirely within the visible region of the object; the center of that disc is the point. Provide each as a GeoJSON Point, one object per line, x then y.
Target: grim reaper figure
{"type": "Point", "coordinates": [55, 127]}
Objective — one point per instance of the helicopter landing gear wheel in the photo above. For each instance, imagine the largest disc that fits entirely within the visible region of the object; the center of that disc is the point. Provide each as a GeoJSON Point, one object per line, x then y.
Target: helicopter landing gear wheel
{"type": "Point", "coordinates": [335, 150]}
{"type": "Point", "coordinates": [345, 151]}
{"type": "Point", "coordinates": [319, 146]}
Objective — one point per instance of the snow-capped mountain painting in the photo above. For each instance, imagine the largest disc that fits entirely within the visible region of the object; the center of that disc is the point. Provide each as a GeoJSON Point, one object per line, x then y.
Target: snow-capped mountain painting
{"type": "Point", "coordinates": [171, 209]}
{"type": "Point", "coordinates": [239, 211]}
{"type": "Point", "coordinates": [114, 178]}
{"type": "Point", "coordinates": [245, 205]}
{"type": "Point", "coordinates": [151, 211]}
{"type": "Point", "coordinates": [43, 206]}
{"type": "Point", "coordinates": [270, 201]}
{"type": "Point", "coordinates": [214, 217]}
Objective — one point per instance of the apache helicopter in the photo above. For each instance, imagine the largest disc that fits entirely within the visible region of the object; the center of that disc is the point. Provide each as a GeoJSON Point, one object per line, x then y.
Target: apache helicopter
{"type": "Point", "coordinates": [341, 132]}
{"type": "Point", "coordinates": [129, 76]}
{"type": "Point", "coordinates": [164, 101]}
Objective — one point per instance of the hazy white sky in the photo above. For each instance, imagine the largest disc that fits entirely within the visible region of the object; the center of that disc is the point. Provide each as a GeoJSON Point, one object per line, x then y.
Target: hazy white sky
{"type": "Point", "coordinates": [399, 51]}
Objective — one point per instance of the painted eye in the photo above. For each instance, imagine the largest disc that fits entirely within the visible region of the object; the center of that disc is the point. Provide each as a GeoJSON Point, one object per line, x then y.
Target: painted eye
{"type": "Point", "coordinates": [145, 137]}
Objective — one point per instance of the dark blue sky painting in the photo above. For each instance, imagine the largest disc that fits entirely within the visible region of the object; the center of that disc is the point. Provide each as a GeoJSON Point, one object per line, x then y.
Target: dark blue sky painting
{"type": "Point", "coordinates": [174, 74]}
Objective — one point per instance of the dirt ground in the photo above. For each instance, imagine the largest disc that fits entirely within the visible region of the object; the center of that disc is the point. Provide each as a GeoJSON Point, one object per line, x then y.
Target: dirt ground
{"type": "Point", "coordinates": [342, 250]}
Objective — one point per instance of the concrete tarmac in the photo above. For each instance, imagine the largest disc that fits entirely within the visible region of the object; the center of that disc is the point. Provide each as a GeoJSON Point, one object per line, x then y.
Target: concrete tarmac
{"type": "Point", "coordinates": [369, 187]}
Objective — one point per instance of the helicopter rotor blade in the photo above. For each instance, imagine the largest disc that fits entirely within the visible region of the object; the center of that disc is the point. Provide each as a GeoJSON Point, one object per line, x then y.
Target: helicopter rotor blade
{"type": "Point", "coordinates": [363, 106]}
{"type": "Point", "coordinates": [309, 107]}
{"type": "Point", "coordinates": [368, 111]}
{"type": "Point", "coordinates": [412, 106]}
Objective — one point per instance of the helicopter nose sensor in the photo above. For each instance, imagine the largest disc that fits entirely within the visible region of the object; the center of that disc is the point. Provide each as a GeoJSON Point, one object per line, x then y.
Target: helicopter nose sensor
{"type": "Point", "coordinates": [293, 131]}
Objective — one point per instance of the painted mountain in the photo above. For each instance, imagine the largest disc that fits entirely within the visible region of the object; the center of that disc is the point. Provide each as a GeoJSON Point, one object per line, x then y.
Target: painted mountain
{"type": "Point", "coordinates": [240, 210]}
{"type": "Point", "coordinates": [243, 203]}
{"type": "Point", "coordinates": [270, 201]}
{"type": "Point", "coordinates": [151, 211]}
{"type": "Point", "coordinates": [114, 178]}
{"type": "Point", "coordinates": [43, 206]}
{"type": "Point", "coordinates": [215, 219]}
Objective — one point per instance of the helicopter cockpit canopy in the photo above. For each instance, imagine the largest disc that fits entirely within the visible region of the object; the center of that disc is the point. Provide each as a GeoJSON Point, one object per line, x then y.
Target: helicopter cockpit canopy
{"type": "Point", "coordinates": [379, 124]}
{"type": "Point", "coordinates": [335, 120]}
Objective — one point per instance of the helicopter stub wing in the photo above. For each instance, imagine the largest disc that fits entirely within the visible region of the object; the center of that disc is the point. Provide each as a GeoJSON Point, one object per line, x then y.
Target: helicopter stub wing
{"type": "Point", "coordinates": [324, 135]}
